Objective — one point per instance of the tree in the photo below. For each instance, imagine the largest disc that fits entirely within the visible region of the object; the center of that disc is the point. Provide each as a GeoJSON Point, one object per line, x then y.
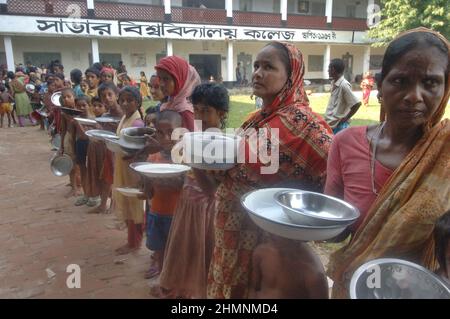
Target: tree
{"type": "Point", "coordinates": [402, 15]}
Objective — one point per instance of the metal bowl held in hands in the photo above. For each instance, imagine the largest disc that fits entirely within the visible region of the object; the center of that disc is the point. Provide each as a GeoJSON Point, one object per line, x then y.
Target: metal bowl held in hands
{"type": "Point", "coordinates": [71, 112]}
{"type": "Point", "coordinates": [114, 146]}
{"type": "Point", "coordinates": [315, 209]}
{"type": "Point", "coordinates": [101, 135]}
{"type": "Point", "coordinates": [135, 137]}
{"type": "Point", "coordinates": [107, 119]}
{"type": "Point", "coordinates": [61, 165]}
{"type": "Point", "coordinates": [269, 216]}
{"type": "Point", "coordinates": [389, 278]}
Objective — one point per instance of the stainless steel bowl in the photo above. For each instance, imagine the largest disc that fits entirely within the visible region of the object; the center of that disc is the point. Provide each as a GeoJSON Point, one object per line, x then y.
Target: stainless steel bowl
{"type": "Point", "coordinates": [315, 209]}
{"type": "Point", "coordinates": [101, 135]}
{"type": "Point", "coordinates": [269, 216]}
{"type": "Point", "coordinates": [389, 278]}
{"type": "Point", "coordinates": [61, 165]}
{"type": "Point", "coordinates": [114, 146]}
{"type": "Point", "coordinates": [135, 137]}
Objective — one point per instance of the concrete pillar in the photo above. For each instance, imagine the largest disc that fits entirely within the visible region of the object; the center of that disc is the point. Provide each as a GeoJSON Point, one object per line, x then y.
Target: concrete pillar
{"type": "Point", "coordinates": [283, 11]}
{"type": "Point", "coordinates": [326, 61]}
{"type": "Point", "coordinates": [3, 6]}
{"type": "Point", "coordinates": [230, 62]}
{"type": "Point", "coordinates": [90, 9]}
{"type": "Point", "coordinates": [9, 54]}
{"type": "Point", "coordinates": [366, 59]}
{"type": "Point", "coordinates": [229, 8]}
{"type": "Point", "coordinates": [167, 10]}
{"type": "Point", "coordinates": [169, 47]}
{"type": "Point", "coordinates": [95, 51]}
{"type": "Point", "coordinates": [329, 10]}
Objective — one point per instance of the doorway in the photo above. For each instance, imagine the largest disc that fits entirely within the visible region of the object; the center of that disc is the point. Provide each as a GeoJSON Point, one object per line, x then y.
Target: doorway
{"type": "Point", "coordinates": [207, 65]}
{"type": "Point", "coordinates": [247, 67]}
{"type": "Point", "coordinates": [348, 62]}
{"type": "Point", "coordinates": [110, 58]}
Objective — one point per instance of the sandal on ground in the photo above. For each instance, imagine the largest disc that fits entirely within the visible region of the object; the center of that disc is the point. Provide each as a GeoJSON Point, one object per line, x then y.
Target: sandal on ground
{"type": "Point", "coordinates": [93, 201]}
{"type": "Point", "coordinates": [82, 200]}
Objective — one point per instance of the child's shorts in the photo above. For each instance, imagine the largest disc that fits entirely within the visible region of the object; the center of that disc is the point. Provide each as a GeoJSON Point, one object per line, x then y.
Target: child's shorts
{"type": "Point", "coordinates": [81, 147]}
{"type": "Point", "coordinates": [5, 108]}
{"type": "Point", "coordinates": [158, 227]}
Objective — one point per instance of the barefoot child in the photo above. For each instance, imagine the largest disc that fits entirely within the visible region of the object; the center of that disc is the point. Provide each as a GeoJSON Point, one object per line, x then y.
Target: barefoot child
{"type": "Point", "coordinates": [442, 240]}
{"type": "Point", "coordinates": [68, 134]}
{"type": "Point", "coordinates": [189, 247]}
{"type": "Point", "coordinates": [164, 197]}
{"type": "Point", "coordinates": [129, 210]}
{"type": "Point", "coordinates": [95, 157]}
{"type": "Point", "coordinates": [108, 93]}
{"type": "Point", "coordinates": [83, 104]}
{"type": "Point", "coordinates": [5, 105]}
{"type": "Point", "coordinates": [286, 269]}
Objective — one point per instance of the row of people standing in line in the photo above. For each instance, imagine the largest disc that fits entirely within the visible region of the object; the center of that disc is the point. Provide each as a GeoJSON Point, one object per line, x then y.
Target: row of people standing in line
{"type": "Point", "coordinates": [412, 154]}
{"type": "Point", "coordinates": [380, 169]}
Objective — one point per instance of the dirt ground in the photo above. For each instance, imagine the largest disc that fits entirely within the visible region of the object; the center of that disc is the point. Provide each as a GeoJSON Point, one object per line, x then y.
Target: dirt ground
{"type": "Point", "coordinates": [42, 233]}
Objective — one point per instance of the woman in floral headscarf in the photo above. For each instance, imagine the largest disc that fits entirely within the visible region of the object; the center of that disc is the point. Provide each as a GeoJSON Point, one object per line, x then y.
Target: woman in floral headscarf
{"type": "Point", "coordinates": [304, 140]}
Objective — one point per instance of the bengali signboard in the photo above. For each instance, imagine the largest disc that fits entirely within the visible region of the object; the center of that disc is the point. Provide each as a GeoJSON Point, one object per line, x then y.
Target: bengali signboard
{"type": "Point", "coordinates": [132, 29]}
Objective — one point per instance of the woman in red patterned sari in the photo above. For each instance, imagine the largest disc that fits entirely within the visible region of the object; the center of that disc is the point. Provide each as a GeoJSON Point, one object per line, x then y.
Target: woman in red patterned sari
{"type": "Point", "coordinates": [304, 140]}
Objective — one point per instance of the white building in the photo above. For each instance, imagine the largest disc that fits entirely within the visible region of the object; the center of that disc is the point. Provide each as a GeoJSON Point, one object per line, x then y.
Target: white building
{"type": "Point", "coordinates": [139, 32]}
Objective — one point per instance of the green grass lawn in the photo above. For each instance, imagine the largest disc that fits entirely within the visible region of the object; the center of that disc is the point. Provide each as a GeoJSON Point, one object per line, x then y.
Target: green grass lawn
{"type": "Point", "coordinates": [242, 105]}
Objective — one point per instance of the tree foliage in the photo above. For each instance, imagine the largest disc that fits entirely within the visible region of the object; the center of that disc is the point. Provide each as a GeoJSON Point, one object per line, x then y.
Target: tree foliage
{"type": "Point", "coordinates": [402, 15]}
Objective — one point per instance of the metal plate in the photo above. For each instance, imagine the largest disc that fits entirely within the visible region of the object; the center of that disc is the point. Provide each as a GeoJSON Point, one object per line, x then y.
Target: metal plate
{"type": "Point", "coordinates": [268, 215]}
{"type": "Point", "coordinates": [389, 278]}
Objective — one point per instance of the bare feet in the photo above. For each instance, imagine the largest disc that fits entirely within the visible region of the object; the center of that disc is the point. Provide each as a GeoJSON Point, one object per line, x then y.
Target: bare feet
{"type": "Point", "coordinates": [125, 249]}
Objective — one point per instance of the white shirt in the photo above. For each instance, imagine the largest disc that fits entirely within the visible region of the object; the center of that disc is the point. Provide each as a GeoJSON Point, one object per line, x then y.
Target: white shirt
{"type": "Point", "coordinates": [341, 101]}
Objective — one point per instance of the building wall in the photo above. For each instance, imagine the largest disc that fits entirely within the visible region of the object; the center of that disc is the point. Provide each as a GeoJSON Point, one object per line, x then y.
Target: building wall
{"type": "Point", "coordinates": [177, 3]}
{"type": "Point", "coordinates": [294, 9]}
{"type": "Point", "coordinates": [130, 48]}
{"type": "Point", "coordinates": [2, 51]}
{"type": "Point", "coordinates": [311, 49]}
{"type": "Point", "coordinates": [337, 51]}
{"type": "Point", "coordinates": [256, 5]}
{"type": "Point", "coordinates": [152, 2]}
{"type": "Point", "coordinates": [74, 53]}
{"type": "Point", "coordinates": [340, 8]}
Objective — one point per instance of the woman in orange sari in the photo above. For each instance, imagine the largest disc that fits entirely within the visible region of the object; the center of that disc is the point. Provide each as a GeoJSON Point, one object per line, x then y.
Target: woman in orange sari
{"type": "Point", "coordinates": [414, 143]}
{"type": "Point", "coordinates": [304, 140]}
{"type": "Point", "coordinates": [366, 86]}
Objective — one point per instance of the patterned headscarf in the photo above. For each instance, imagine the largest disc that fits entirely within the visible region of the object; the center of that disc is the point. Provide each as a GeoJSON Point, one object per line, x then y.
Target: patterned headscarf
{"type": "Point", "coordinates": [293, 92]}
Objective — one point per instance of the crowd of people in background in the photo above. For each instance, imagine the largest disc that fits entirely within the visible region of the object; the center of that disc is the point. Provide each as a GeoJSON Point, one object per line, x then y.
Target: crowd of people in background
{"type": "Point", "coordinates": [203, 242]}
